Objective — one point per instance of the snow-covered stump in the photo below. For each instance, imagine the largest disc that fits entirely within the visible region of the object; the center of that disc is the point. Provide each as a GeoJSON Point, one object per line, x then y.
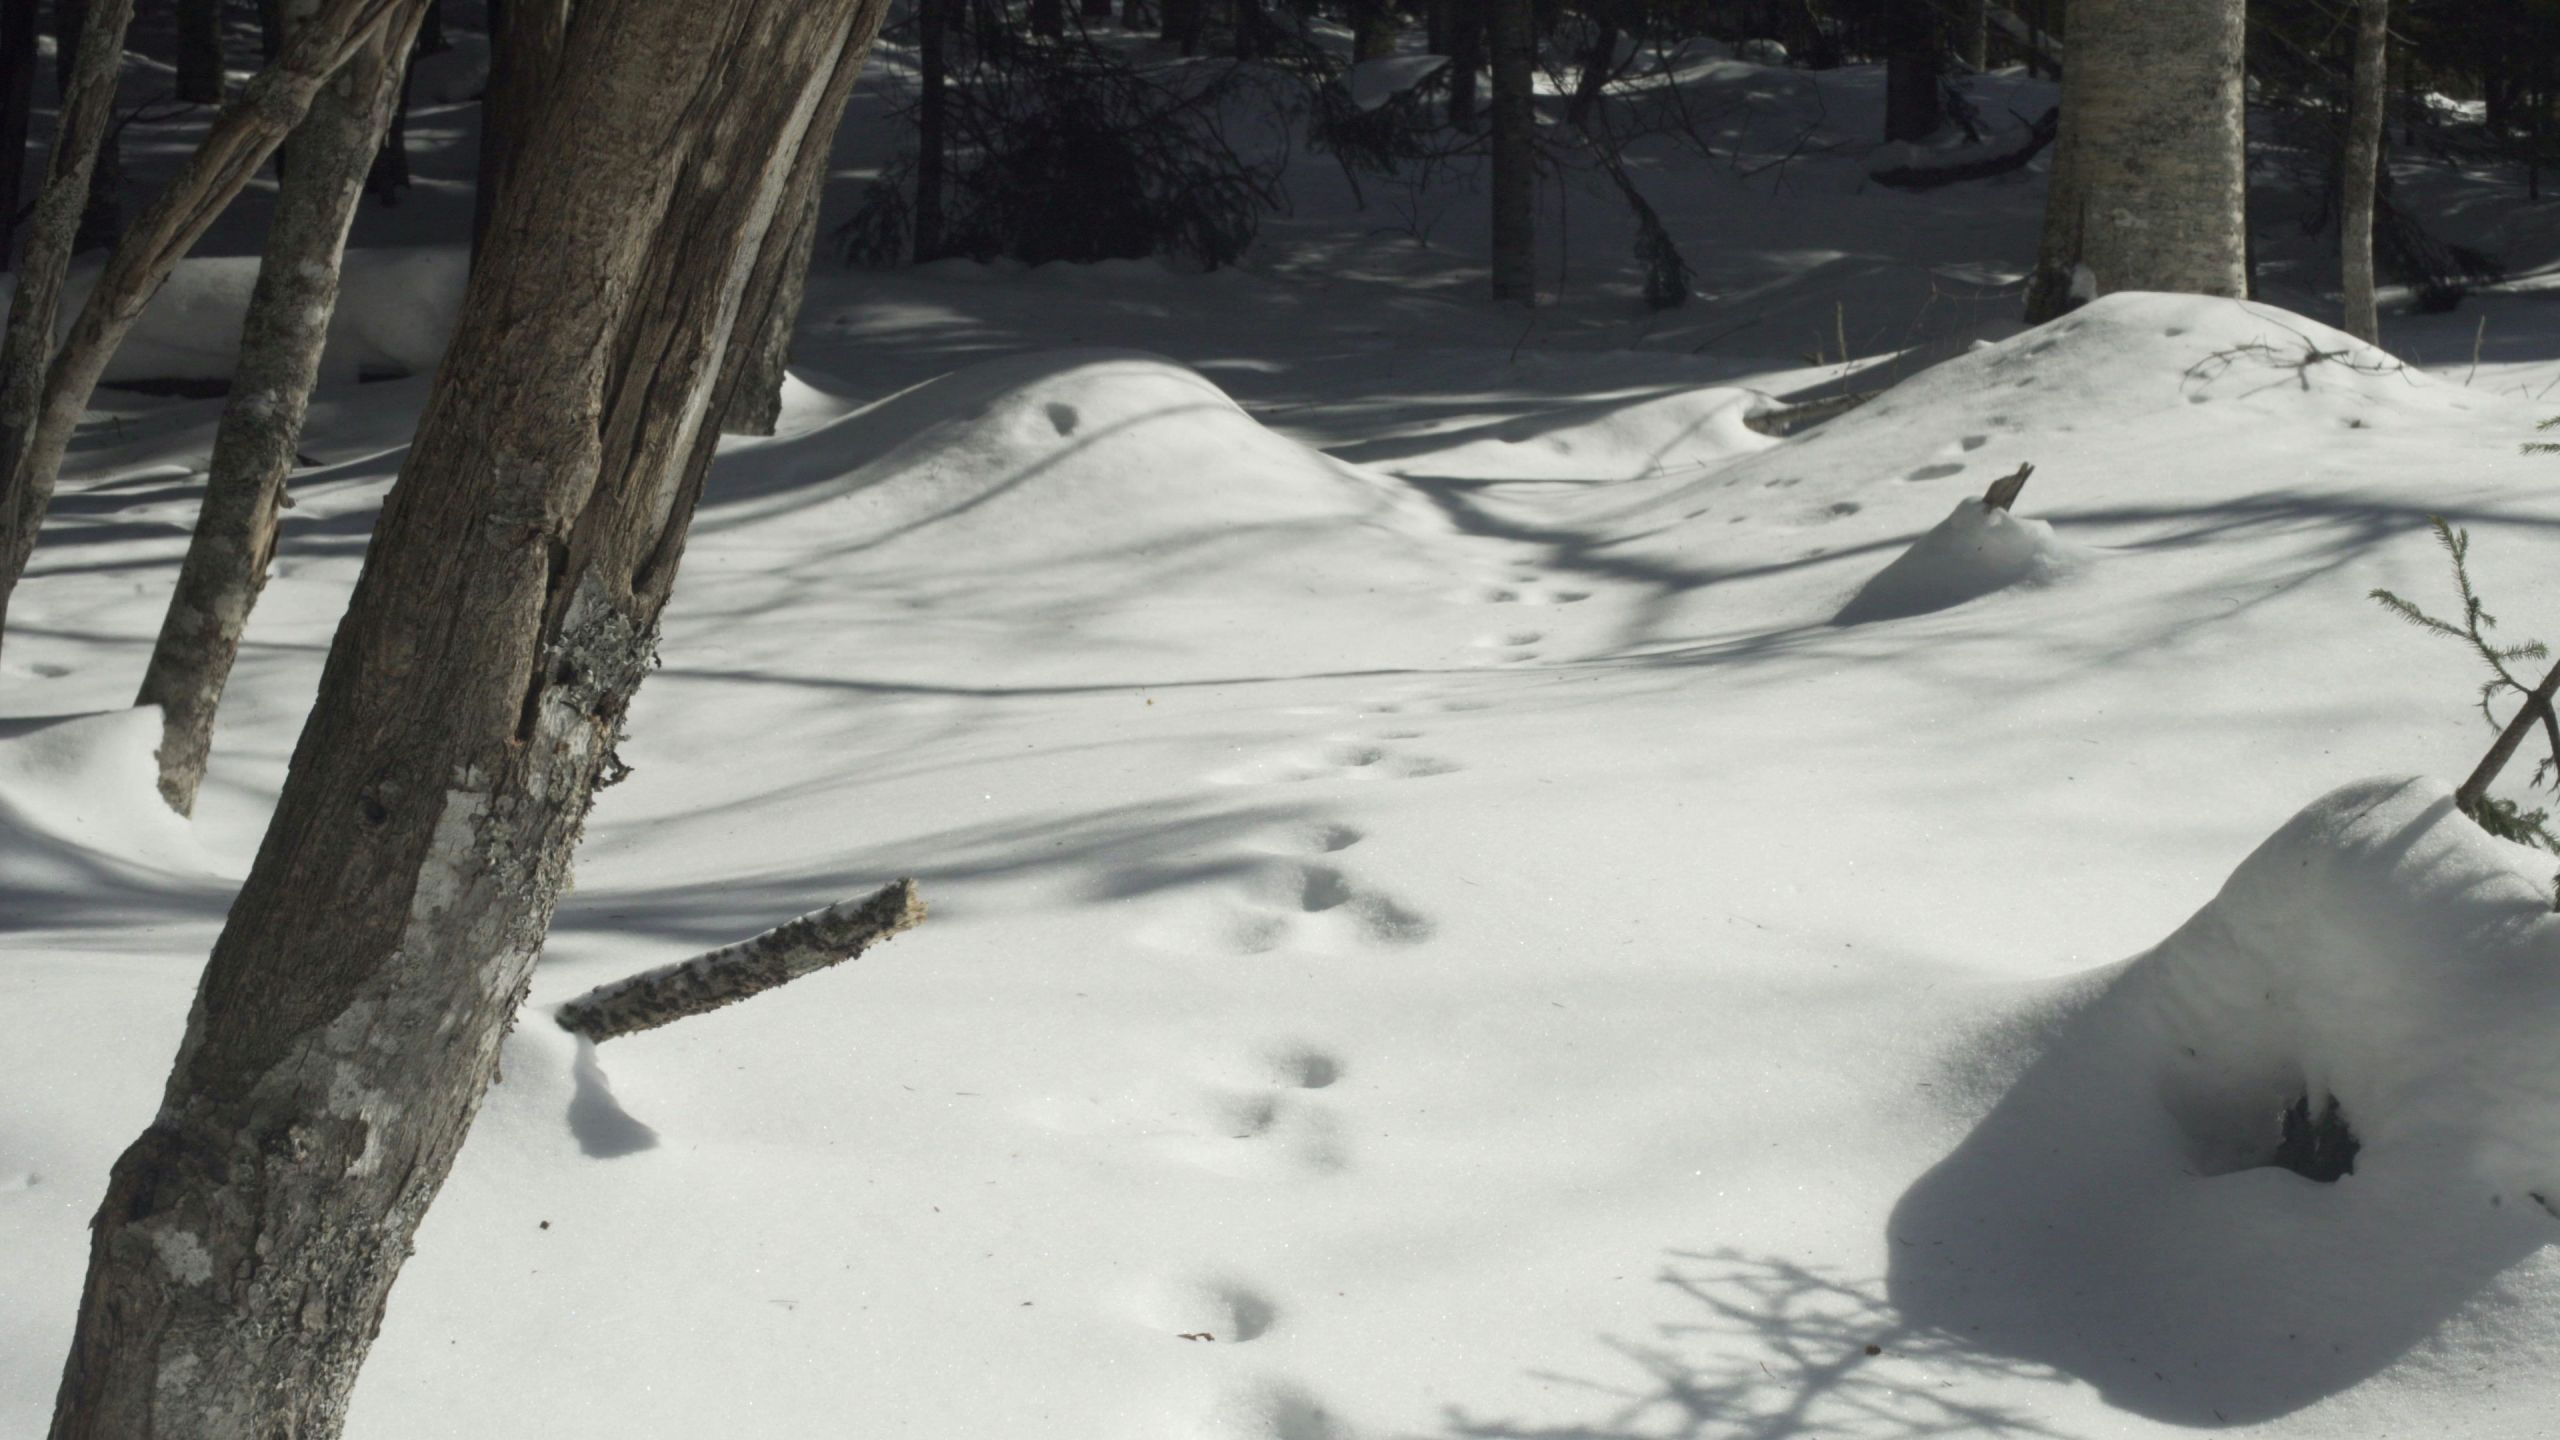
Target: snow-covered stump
{"type": "Point", "coordinates": [1979, 549]}
{"type": "Point", "coordinates": [2373, 1001]}
{"type": "Point", "coordinates": [735, 972]}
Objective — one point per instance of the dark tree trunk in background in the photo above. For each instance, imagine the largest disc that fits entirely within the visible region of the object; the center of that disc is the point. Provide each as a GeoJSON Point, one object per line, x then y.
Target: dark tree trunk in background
{"type": "Point", "coordinates": [769, 308]}
{"type": "Point", "coordinates": [1968, 32]}
{"type": "Point", "coordinates": [102, 209]}
{"type": "Point", "coordinates": [17, 111]}
{"type": "Point", "coordinates": [933, 61]}
{"type": "Point", "coordinates": [388, 175]}
{"type": "Point", "coordinates": [1466, 59]}
{"type": "Point", "coordinates": [200, 77]}
{"type": "Point", "coordinates": [1515, 183]}
{"type": "Point", "coordinates": [1048, 18]}
{"type": "Point", "coordinates": [2362, 161]}
{"type": "Point", "coordinates": [431, 37]}
{"type": "Point", "coordinates": [1095, 9]}
{"type": "Point", "coordinates": [349, 1021]}
{"type": "Point", "coordinates": [253, 447]}
{"type": "Point", "coordinates": [525, 38]}
{"type": "Point", "coordinates": [1597, 63]}
{"type": "Point", "coordinates": [1373, 29]}
{"type": "Point", "coordinates": [1915, 58]}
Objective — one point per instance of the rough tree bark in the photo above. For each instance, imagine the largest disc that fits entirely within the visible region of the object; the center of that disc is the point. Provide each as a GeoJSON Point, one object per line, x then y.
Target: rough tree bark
{"type": "Point", "coordinates": [17, 110]}
{"type": "Point", "coordinates": [2363, 159]}
{"type": "Point", "coordinates": [231, 153]}
{"type": "Point", "coordinates": [525, 37]}
{"type": "Point", "coordinates": [253, 447]}
{"type": "Point", "coordinates": [200, 77]}
{"type": "Point", "coordinates": [749, 968]}
{"type": "Point", "coordinates": [760, 351]}
{"type": "Point", "coordinates": [2150, 169]}
{"type": "Point", "coordinates": [1515, 184]}
{"type": "Point", "coordinates": [350, 1019]}
{"type": "Point", "coordinates": [35, 305]}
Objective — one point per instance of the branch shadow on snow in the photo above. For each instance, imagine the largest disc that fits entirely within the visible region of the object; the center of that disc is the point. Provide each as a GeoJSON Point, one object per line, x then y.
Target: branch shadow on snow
{"type": "Point", "coordinates": [1772, 1350]}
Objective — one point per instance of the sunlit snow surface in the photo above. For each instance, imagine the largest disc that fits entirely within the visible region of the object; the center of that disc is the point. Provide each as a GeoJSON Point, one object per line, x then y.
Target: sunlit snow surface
{"type": "Point", "coordinates": [1428, 904]}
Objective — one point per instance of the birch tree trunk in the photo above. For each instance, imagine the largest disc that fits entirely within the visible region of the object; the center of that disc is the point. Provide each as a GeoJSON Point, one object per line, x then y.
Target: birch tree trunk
{"type": "Point", "coordinates": [760, 351]}
{"type": "Point", "coordinates": [231, 153]}
{"type": "Point", "coordinates": [350, 1019]}
{"type": "Point", "coordinates": [35, 306]}
{"type": "Point", "coordinates": [253, 448]}
{"type": "Point", "coordinates": [200, 77]}
{"type": "Point", "coordinates": [1515, 183]}
{"type": "Point", "coordinates": [2154, 146]}
{"type": "Point", "coordinates": [2362, 161]}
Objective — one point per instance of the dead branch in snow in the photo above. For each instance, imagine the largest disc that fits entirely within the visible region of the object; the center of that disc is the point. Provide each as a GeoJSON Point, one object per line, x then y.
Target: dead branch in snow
{"type": "Point", "coordinates": [734, 972]}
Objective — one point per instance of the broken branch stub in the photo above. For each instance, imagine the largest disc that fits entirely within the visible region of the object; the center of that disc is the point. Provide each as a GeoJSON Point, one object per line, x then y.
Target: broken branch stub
{"type": "Point", "coordinates": [734, 972]}
{"type": "Point", "coordinates": [2004, 491]}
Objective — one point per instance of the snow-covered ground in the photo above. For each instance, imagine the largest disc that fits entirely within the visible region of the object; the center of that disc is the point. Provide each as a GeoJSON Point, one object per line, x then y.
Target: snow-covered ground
{"type": "Point", "coordinates": [1452, 915]}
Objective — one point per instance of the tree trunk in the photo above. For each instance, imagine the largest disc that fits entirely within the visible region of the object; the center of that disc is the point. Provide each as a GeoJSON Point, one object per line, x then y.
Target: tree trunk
{"type": "Point", "coordinates": [1048, 18]}
{"type": "Point", "coordinates": [231, 153]}
{"type": "Point", "coordinates": [1373, 29]}
{"type": "Point", "coordinates": [1913, 69]}
{"type": "Point", "coordinates": [1466, 58]}
{"type": "Point", "coordinates": [387, 176]}
{"type": "Point", "coordinates": [933, 61]}
{"type": "Point", "coordinates": [350, 1019]}
{"type": "Point", "coordinates": [17, 111]}
{"type": "Point", "coordinates": [1968, 30]}
{"type": "Point", "coordinates": [1597, 63]}
{"type": "Point", "coordinates": [2149, 182]}
{"type": "Point", "coordinates": [200, 78]}
{"type": "Point", "coordinates": [431, 36]}
{"type": "Point", "coordinates": [2363, 159]}
{"type": "Point", "coordinates": [1515, 183]}
{"type": "Point", "coordinates": [253, 448]}
{"type": "Point", "coordinates": [35, 303]}
{"type": "Point", "coordinates": [525, 39]}
{"type": "Point", "coordinates": [760, 349]}
{"type": "Point", "coordinates": [95, 28]}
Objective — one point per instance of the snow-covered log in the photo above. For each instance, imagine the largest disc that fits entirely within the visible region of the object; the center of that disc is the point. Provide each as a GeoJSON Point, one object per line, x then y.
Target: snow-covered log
{"type": "Point", "coordinates": [733, 972]}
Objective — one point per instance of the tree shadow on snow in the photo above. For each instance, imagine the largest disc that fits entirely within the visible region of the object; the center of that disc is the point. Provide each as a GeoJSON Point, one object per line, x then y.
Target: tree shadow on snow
{"type": "Point", "coordinates": [1775, 1350]}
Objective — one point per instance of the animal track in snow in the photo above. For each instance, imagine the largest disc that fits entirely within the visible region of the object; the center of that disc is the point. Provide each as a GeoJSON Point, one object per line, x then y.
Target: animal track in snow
{"type": "Point", "coordinates": [1938, 471]}
{"type": "Point", "coordinates": [1064, 419]}
{"type": "Point", "coordinates": [1534, 595]}
{"type": "Point", "coordinates": [1268, 1410]}
{"type": "Point", "coordinates": [1274, 902]}
{"type": "Point", "coordinates": [23, 1180]}
{"type": "Point", "coordinates": [1336, 760]}
{"type": "Point", "coordinates": [1974, 442]}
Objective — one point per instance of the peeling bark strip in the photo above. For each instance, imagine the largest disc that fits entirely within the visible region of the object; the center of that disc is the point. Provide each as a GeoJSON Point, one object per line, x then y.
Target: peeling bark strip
{"type": "Point", "coordinates": [751, 967]}
{"type": "Point", "coordinates": [253, 448]}
{"type": "Point", "coordinates": [231, 153]}
{"type": "Point", "coordinates": [350, 1019]}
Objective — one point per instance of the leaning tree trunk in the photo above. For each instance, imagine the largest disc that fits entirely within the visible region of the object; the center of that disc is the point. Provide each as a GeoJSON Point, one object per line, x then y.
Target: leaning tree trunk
{"type": "Point", "coordinates": [350, 1019]}
{"type": "Point", "coordinates": [199, 77]}
{"type": "Point", "coordinates": [2362, 161]}
{"type": "Point", "coordinates": [253, 448]}
{"type": "Point", "coordinates": [1515, 184]}
{"type": "Point", "coordinates": [525, 37]}
{"type": "Point", "coordinates": [760, 350]}
{"type": "Point", "coordinates": [220, 167]}
{"type": "Point", "coordinates": [17, 110]}
{"type": "Point", "coordinates": [2154, 145]}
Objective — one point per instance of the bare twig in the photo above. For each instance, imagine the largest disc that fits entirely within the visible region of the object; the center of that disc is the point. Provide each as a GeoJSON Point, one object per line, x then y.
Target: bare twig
{"type": "Point", "coordinates": [734, 972]}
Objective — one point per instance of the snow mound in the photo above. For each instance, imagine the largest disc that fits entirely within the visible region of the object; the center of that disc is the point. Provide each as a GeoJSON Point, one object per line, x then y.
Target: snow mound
{"type": "Point", "coordinates": [1052, 458]}
{"type": "Point", "coordinates": [1373, 83]}
{"type": "Point", "coordinates": [1612, 439]}
{"type": "Point", "coordinates": [2118, 1214]}
{"type": "Point", "coordinates": [396, 309]}
{"type": "Point", "coordinates": [80, 813]}
{"type": "Point", "coordinates": [1975, 551]}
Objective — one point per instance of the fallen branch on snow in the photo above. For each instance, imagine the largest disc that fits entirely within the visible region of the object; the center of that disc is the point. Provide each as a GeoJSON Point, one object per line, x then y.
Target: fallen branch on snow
{"type": "Point", "coordinates": [733, 972]}
{"type": "Point", "coordinates": [1930, 177]}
